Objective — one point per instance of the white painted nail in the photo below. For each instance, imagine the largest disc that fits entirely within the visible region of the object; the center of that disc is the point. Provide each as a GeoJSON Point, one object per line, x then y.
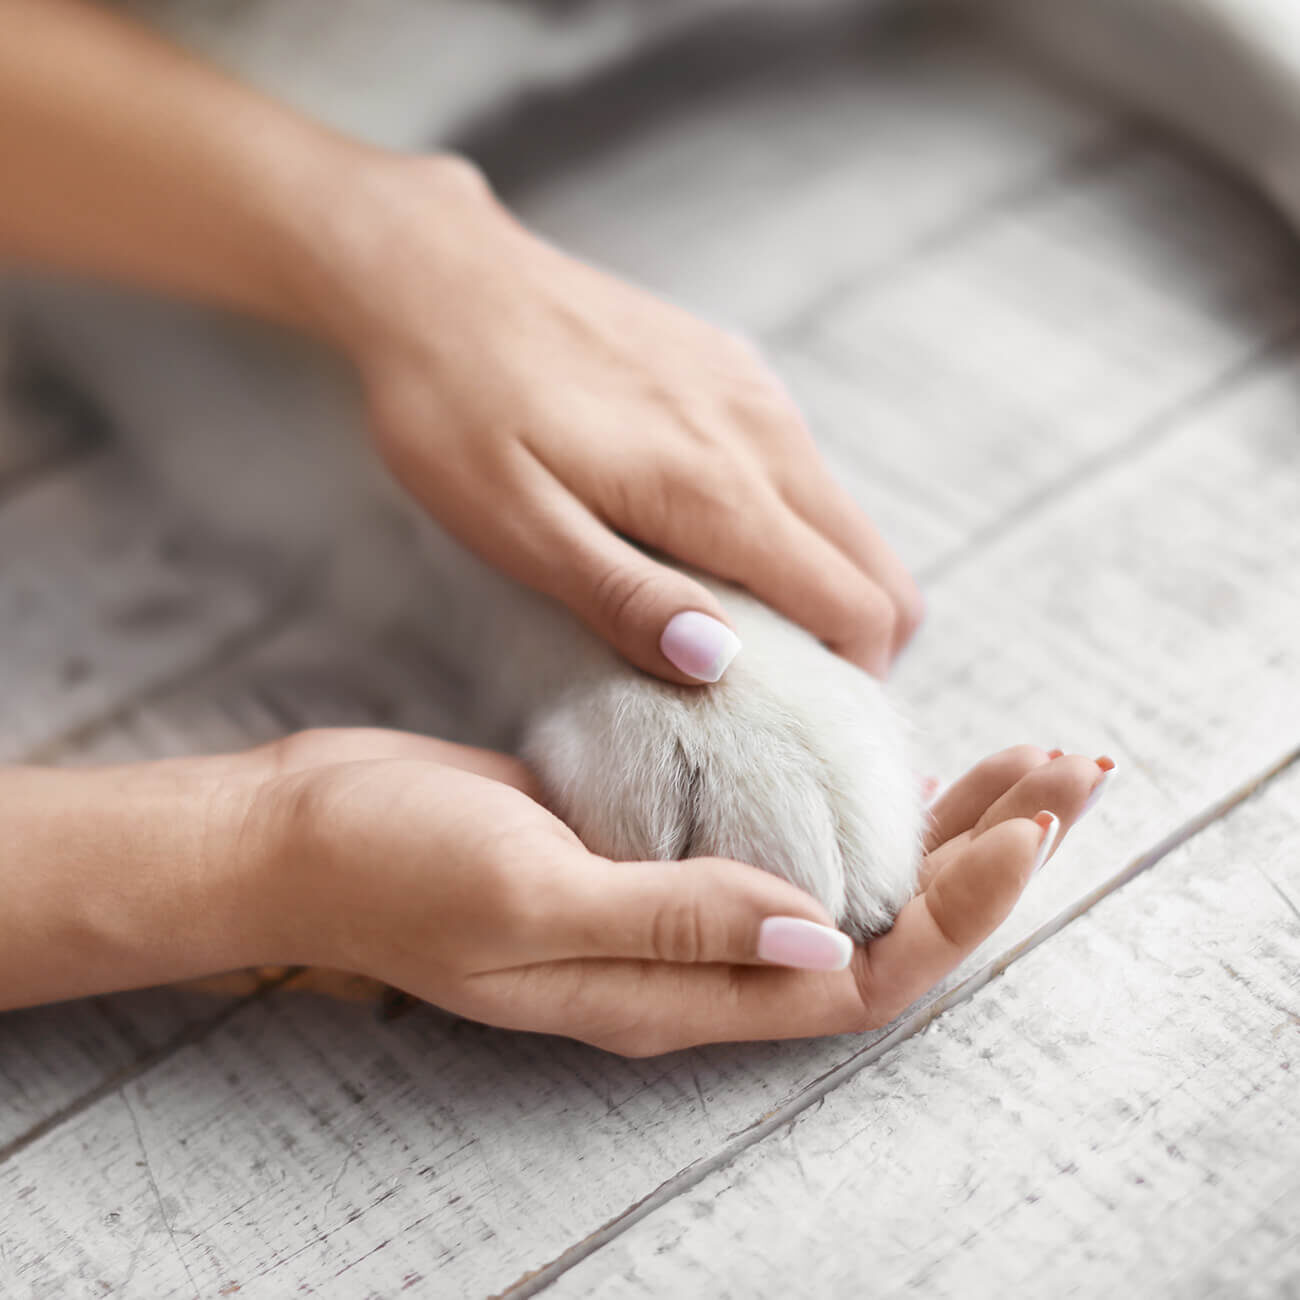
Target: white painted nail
{"type": "Point", "coordinates": [699, 645]}
{"type": "Point", "coordinates": [1108, 769]}
{"type": "Point", "coordinates": [1048, 842]}
{"type": "Point", "coordinates": [803, 945]}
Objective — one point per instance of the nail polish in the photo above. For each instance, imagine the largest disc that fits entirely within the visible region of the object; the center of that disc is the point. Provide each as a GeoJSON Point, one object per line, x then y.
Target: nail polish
{"type": "Point", "coordinates": [1108, 769]}
{"type": "Point", "coordinates": [804, 945]}
{"type": "Point", "coordinates": [699, 645]}
{"type": "Point", "coordinates": [1051, 825]}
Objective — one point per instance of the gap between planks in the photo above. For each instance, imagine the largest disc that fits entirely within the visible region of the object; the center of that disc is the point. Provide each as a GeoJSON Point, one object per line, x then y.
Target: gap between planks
{"type": "Point", "coordinates": [537, 1281]}
{"type": "Point", "coordinates": [1115, 140]}
{"type": "Point", "coordinates": [191, 1034]}
{"type": "Point", "coordinates": [294, 603]}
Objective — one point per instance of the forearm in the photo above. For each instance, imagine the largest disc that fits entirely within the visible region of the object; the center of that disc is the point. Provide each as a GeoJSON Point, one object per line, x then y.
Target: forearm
{"type": "Point", "coordinates": [124, 159]}
{"type": "Point", "coordinates": [124, 877]}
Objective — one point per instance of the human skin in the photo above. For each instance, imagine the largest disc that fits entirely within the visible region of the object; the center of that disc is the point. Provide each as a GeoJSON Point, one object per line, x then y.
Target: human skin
{"type": "Point", "coordinates": [544, 411]}
{"type": "Point", "coordinates": [428, 866]}
{"type": "Point", "coordinates": [125, 160]}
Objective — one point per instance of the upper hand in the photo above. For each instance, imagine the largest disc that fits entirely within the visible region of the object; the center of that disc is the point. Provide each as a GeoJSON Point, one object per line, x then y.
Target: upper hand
{"type": "Point", "coordinates": [551, 416]}
{"type": "Point", "coordinates": [428, 866]}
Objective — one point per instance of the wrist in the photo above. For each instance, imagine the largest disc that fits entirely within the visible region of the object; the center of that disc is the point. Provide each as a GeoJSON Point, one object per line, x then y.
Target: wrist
{"type": "Point", "coordinates": [130, 876]}
{"type": "Point", "coordinates": [384, 218]}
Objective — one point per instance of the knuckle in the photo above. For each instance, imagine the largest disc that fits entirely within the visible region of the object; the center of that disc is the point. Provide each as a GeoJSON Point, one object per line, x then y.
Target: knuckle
{"type": "Point", "coordinates": [622, 594]}
{"type": "Point", "coordinates": [874, 1012]}
{"type": "Point", "coordinates": [909, 614]}
{"type": "Point", "coordinates": [677, 933]}
{"type": "Point", "coordinates": [870, 620]}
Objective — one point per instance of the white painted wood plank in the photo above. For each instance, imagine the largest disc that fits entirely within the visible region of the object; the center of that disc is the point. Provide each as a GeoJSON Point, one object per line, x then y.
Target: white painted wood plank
{"type": "Point", "coordinates": [1126, 637]}
{"type": "Point", "coordinates": [1118, 1115]}
{"type": "Point", "coordinates": [951, 393]}
{"type": "Point", "coordinates": [564, 1139]}
{"type": "Point", "coordinates": [320, 671]}
{"type": "Point", "coordinates": [100, 597]}
{"type": "Point", "coordinates": [749, 204]}
{"type": "Point", "coordinates": [317, 672]}
{"type": "Point", "coordinates": [52, 1056]}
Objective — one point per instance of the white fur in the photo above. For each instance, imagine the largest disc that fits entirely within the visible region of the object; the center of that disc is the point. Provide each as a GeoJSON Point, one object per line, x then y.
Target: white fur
{"type": "Point", "coordinates": [795, 761]}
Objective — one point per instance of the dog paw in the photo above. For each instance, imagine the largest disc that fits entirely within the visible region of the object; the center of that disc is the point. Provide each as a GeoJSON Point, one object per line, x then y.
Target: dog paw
{"type": "Point", "coordinates": [796, 762]}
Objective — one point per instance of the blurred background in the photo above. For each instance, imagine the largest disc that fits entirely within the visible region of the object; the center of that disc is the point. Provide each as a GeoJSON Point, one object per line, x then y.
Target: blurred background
{"type": "Point", "coordinates": [1052, 349]}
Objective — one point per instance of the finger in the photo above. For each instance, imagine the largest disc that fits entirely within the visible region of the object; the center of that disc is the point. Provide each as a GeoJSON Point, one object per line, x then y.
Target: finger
{"type": "Point", "coordinates": [699, 910]}
{"type": "Point", "coordinates": [966, 800]}
{"type": "Point", "coordinates": [1065, 787]}
{"type": "Point", "coordinates": [646, 1007]}
{"type": "Point", "coordinates": [1062, 785]}
{"type": "Point", "coordinates": [961, 906]}
{"type": "Point", "coordinates": [789, 565]}
{"type": "Point", "coordinates": [826, 506]}
{"type": "Point", "coordinates": [660, 619]}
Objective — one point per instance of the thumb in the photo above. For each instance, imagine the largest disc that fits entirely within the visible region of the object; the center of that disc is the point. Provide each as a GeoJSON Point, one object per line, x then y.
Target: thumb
{"type": "Point", "coordinates": [698, 910]}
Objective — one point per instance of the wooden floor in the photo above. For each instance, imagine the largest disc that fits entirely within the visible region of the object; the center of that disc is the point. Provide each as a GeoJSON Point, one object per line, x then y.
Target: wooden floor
{"type": "Point", "coordinates": [1059, 363]}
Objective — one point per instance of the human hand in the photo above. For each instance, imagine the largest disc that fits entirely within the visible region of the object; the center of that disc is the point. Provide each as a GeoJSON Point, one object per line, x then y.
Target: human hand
{"type": "Point", "coordinates": [551, 416]}
{"type": "Point", "coordinates": [428, 866]}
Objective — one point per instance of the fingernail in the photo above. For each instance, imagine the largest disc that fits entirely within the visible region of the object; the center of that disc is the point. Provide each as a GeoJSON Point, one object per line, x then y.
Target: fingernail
{"type": "Point", "coordinates": [1056, 753]}
{"type": "Point", "coordinates": [1108, 768]}
{"type": "Point", "coordinates": [1051, 825]}
{"type": "Point", "coordinates": [805, 945]}
{"type": "Point", "coordinates": [698, 645]}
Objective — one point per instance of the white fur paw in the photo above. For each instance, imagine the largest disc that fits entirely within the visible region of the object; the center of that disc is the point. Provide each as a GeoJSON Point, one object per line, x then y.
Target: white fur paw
{"type": "Point", "coordinates": [795, 762]}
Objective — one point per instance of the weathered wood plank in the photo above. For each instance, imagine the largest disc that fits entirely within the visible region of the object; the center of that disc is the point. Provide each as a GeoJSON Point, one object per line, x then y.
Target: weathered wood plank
{"type": "Point", "coordinates": [1118, 1115]}
{"type": "Point", "coordinates": [952, 393]}
{"type": "Point", "coordinates": [102, 598]}
{"type": "Point", "coordinates": [1144, 607]}
{"type": "Point", "coordinates": [317, 672]}
{"type": "Point", "coordinates": [1127, 637]}
{"type": "Point", "coordinates": [753, 201]}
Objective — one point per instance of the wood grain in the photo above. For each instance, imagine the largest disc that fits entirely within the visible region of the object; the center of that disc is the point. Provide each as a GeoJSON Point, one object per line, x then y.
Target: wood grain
{"type": "Point", "coordinates": [1105, 505]}
{"type": "Point", "coordinates": [1154, 583]}
{"type": "Point", "coordinates": [1117, 1115]}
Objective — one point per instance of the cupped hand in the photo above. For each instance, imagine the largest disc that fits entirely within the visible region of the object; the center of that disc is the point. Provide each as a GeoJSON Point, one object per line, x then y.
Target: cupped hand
{"type": "Point", "coordinates": [429, 866]}
{"type": "Point", "coordinates": [558, 421]}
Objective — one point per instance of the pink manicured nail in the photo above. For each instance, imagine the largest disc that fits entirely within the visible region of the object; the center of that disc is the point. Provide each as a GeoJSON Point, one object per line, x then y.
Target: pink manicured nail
{"type": "Point", "coordinates": [805, 945]}
{"type": "Point", "coordinates": [699, 645]}
{"type": "Point", "coordinates": [1108, 769]}
{"type": "Point", "coordinates": [1051, 825]}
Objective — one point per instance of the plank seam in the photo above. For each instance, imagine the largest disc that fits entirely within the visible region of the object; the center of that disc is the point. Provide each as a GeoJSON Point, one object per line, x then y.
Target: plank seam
{"type": "Point", "coordinates": [1270, 352]}
{"type": "Point", "coordinates": [815, 1093]}
{"type": "Point", "coordinates": [284, 608]}
{"type": "Point", "coordinates": [1113, 142]}
{"type": "Point", "coordinates": [187, 1037]}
